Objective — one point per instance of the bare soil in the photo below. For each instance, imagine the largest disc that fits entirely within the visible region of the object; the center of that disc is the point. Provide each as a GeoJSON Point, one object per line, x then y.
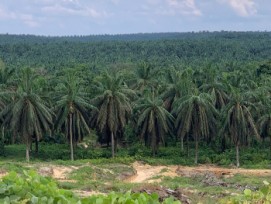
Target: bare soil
{"type": "Point", "coordinates": [148, 174]}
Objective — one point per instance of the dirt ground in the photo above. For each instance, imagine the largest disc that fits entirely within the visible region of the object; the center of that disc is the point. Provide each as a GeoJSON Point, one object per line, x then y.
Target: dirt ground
{"type": "Point", "coordinates": [147, 173]}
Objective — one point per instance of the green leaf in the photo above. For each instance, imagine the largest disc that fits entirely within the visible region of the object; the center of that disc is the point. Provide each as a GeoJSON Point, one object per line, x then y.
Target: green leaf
{"type": "Point", "coordinates": [266, 183]}
{"type": "Point", "coordinates": [247, 192]}
{"type": "Point", "coordinates": [34, 199]}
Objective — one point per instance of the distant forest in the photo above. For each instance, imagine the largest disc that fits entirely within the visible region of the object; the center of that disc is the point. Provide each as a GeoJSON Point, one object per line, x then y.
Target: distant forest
{"type": "Point", "coordinates": [175, 50]}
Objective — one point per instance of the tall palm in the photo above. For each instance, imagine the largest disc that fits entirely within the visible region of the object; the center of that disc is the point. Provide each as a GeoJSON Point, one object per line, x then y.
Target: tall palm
{"type": "Point", "coordinates": [264, 111]}
{"type": "Point", "coordinates": [27, 113]}
{"type": "Point", "coordinates": [72, 107]}
{"type": "Point", "coordinates": [154, 121]}
{"type": "Point", "coordinates": [238, 121]}
{"type": "Point", "coordinates": [195, 114]}
{"type": "Point", "coordinates": [264, 124]}
{"type": "Point", "coordinates": [114, 105]}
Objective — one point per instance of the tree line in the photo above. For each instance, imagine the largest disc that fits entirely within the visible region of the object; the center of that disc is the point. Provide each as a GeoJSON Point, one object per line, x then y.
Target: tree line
{"type": "Point", "coordinates": [178, 50]}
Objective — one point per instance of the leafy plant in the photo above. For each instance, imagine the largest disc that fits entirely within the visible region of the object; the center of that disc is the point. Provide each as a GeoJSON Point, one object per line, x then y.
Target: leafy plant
{"type": "Point", "coordinates": [263, 195]}
{"type": "Point", "coordinates": [30, 188]}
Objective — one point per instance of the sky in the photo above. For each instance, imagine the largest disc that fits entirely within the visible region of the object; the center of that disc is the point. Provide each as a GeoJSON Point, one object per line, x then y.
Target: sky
{"type": "Point", "coordinates": [87, 17]}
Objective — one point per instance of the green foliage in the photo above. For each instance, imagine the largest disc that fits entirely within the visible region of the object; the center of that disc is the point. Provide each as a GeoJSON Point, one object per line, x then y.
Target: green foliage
{"type": "Point", "coordinates": [133, 198]}
{"type": "Point", "coordinates": [34, 189]}
{"type": "Point", "coordinates": [229, 70]}
{"type": "Point", "coordinates": [263, 195]}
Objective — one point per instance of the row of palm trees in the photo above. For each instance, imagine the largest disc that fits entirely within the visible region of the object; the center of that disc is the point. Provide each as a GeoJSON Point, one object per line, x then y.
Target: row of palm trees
{"type": "Point", "coordinates": [197, 105]}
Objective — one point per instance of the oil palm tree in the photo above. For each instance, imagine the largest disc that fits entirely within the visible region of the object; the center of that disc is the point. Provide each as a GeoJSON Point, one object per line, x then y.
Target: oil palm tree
{"type": "Point", "coordinates": [72, 107]}
{"type": "Point", "coordinates": [237, 120]}
{"type": "Point", "coordinates": [219, 93]}
{"type": "Point", "coordinates": [264, 124]}
{"type": "Point", "coordinates": [264, 111]}
{"type": "Point", "coordinates": [179, 84]}
{"type": "Point", "coordinates": [26, 113]}
{"type": "Point", "coordinates": [196, 115]}
{"type": "Point", "coordinates": [154, 121]}
{"type": "Point", "coordinates": [144, 77]}
{"type": "Point", "coordinates": [113, 102]}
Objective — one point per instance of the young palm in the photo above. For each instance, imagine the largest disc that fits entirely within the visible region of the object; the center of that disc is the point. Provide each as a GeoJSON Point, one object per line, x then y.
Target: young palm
{"type": "Point", "coordinates": [195, 114]}
{"type": "Point", "coordinates": [27, 113]}
{"type": "Point", "coordinates": [114, 105]}
{"type": "Point", "coordinates": [238, 121]}
{"type": "Point", "coordinates": [72, 107]}
{"type": "Point", "coordinates": [154, 121]}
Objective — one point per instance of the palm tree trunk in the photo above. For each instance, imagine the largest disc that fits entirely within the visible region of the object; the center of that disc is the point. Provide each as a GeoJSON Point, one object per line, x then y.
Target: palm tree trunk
{"type": "Point", "coordinates": [36, 145]}
{"type": "Point", "coordinates": [27, 150]}
{"type": "Point", "coordinates": [153, 142]}
{"type": "Point", "coordinates": [3, 133]}
{"type": "Point", "coordinates": [187, 145]}
{"type": "Point", "coordinates": [223, 143]}
{"type": "Point", "coordinates": [13, 138]}
{"type": "Point", "coordinates": [112, 144]}
{"type": "Point", "coordinates": [237, 155]}
{"type": "Point", "coordinates": [270, 146]}
{"type": "Point", "coordinates": [182, 144]}
{"type": "Point", "coordinates": [196, 150]}
{"type": "Point", "coordinates": [71, 142]}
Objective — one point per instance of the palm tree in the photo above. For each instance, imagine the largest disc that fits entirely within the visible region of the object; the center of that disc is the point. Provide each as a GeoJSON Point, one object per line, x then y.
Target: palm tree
{"type": "Point", "coordinates": [238, 121]}
{"type": "Point", "coordinates": [263, 93]}
{"type": "Point", "coordinates": [219, 93]}
{"type": "Point", "coordinates": [154, 121]}
{"type": "Point", "coordinates": [114, 105]}
{"type": "Point", "coordinates": [144, 77]}
{"type": "Point", "coordinates": [179, 84]}
{"type": "Point", "coordinates": [27, 113]}
{"type": "Point", "coordinates": [72, 107]}
{"type": "Point", "coordinates": [264, 124]}
{"type": "Point", "coordinates": [195, 114]}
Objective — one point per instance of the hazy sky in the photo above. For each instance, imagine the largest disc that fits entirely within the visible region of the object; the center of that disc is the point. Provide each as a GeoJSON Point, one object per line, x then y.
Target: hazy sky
{"type": "Point", "coordinates": [84, 17]}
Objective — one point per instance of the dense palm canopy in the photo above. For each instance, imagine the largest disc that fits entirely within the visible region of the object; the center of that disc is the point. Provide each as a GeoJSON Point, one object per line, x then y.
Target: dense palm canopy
{"type": "Point", "coordinates": [178, 84]}
{"type": "Point", "coordinates": [231, 73]}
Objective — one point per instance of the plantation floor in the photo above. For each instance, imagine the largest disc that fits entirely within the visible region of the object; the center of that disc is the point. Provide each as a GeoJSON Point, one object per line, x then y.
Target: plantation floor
{"type": "Point", "coordinates": [204, 183]}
